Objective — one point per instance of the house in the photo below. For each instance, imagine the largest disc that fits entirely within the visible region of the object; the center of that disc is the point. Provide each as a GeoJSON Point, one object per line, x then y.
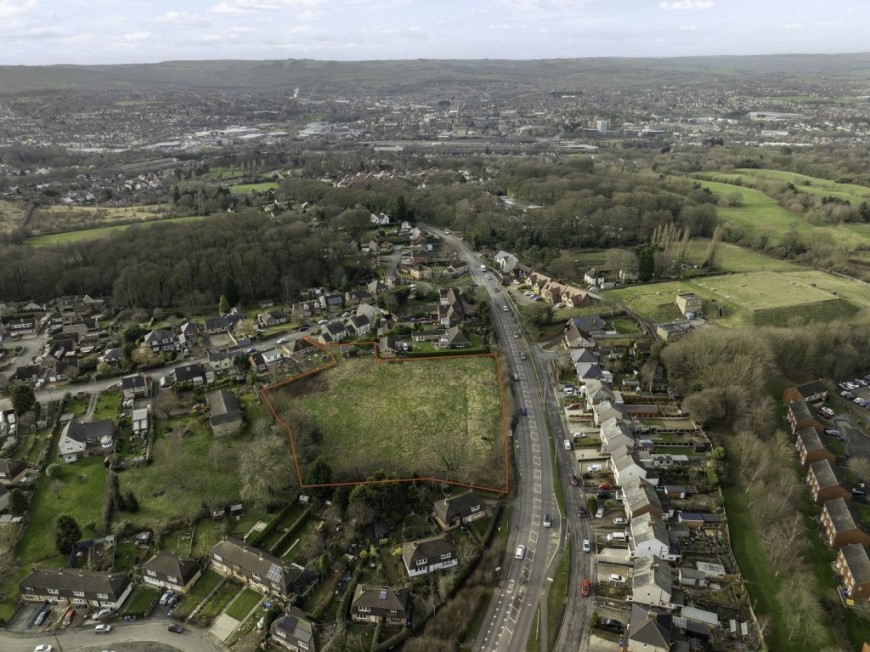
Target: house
{"type": "Point", "coordinates": [79, 439]}
{"type": "Point", "coordinates": [649, 538]}
{"type": "Point", "coordinates": [454, 338]}
{"type": "Point", "coordinates": [824, 483]}
{"type": "Point", "coordinates": [387, 347]}
{"type": "Point", "coordinates": [272, 318]}
{"type": "Point", "coordinates": [429, 555]}
{"type": "Point", "coordinates": [607, 410]}
{"type": "Point", "coordinates": [419, 272]}
{"type": "Point", "coordinates": [506, 262]}
{"type": "Point", "coordinates": [294, 631]}
{"type": "Point", "coordinates": [359, 326]}
{"type": "Point", "coordinates": [355, 297]}
{"type": "Point", "coordinates": [588, 371]}
{"type": "Point", "coordinates": [651, 582]}
{"type": "Point", "coordinates": [190, 331]}
{"type": "Point", "coordinates": [331, 301]}
{"type": "Point", "coordinates": [459, 510]}
{"type": "Point", "coordinates": [588, 325]}
{"type": "Point", "coordinates": [224, 323]}
{"type": "Point", "coordinates": [456, 270]}
{"type": "Point", "coordinates": [689, 304]}
{"type": "Point", "coordinates": [219, 361]}
{"type": "Point", "coordinates": [24, 326]}
{"type": "Point", "coordinates": [139, 420]}
{"type": "Point", "coordinates": [672, 331]}
{"type": "Point", "coordinates": [597, 392]}
{"type": "Point", "coordinates": [10, 470]}
{"type": "Point", "coordinates": [226, 413]}
{"type": "Point", "coordinates": [136, 386]}
{"type": "Point", "coordinates": [811, 448]}
{"type": "Point", "coordinates": [113, 356]}
{"type": "Point", "coordinates": [190, 373]}
{"type": "Point", "coordinates": [640, 499]}
{"type": "Point", "coordinates": [800, 415]}
{"type": "Point", "coordinates": [372, 313]}
{"type": "Point", "coordinates": [625, 467]}
{"type": "Point", "coordinates": [843, 525]}
{"type": "Point", "coordinates": [168, 571]}
{"type": "Point", "coordinates": [813, 393]}
{"type": "Point", "coordinates": [379, 604]}
{"type": "Point", "coordinates": [615, 433]}
{"type": "Point", "coordinates": [262, 571]}
{"type": "Point", "coordinates": [336, 331]}
{"type": "Point", "coordinates": [853, 567]}
{"type": "Point", "coordinates": [649, 630]}
{"type": "Point", "coordinates": [161, 340]}
{"type": "Point", "coordinates": [575, 298]}
{"type": "Point", "coordinates": [595, 276]}
{"type": "Point", "coordinates": [77, 587]}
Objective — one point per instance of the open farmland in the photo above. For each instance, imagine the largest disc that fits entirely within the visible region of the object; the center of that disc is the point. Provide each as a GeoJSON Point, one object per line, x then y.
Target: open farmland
{"type": "Point", "coordinates": [101, 232]}
{"type": "Point", "coordinates": [245, 188]}
{"type": "Point", "coordinates": [814, 185]}
{"type": "Point", "coordinates": [734, 258]}
{"type": "Point", "coordinates": [437, 418]}
{"type": "Point", "coordinates": [54, 219]}
{"type": "Point", "coordinates": [757, 298]}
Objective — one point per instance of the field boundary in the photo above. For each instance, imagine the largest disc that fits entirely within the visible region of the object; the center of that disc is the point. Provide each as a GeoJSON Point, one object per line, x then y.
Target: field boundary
{"type": "Point", "coordinates": [333, 361]}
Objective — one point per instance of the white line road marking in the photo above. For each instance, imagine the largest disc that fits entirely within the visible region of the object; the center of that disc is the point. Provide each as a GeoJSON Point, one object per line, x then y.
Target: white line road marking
{"type": "Point", "coordinates": [536, 504]}
{"type": "Point", "coordinates": [537, 487]}
{"type": "Point", "coordinates": [536, 448]}
{"type": "Point", "coordinates": [536, 460]}
{"type": "Point", "coordinates": [533, 535]}
{"type": "Point", "coordinates": [537, 474]}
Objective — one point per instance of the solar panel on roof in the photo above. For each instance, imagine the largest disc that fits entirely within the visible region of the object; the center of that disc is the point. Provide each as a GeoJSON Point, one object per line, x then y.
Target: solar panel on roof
{"type": "Point", "coordinates": [383, 594]}
{"type": "Point", "coordinates": [275, 573]}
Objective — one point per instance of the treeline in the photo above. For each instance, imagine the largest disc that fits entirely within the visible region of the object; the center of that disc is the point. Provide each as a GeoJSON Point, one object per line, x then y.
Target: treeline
{"type": "Point", "coordinates": [183, 264]}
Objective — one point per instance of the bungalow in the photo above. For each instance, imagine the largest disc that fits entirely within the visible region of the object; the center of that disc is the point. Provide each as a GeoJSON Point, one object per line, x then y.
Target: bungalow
{"type": "Point", "coordinates": [811, 448]}
{"type": "Point", "coordinates": [824, 483]}
{"type": "Point", "coordinates": [294, 631]}
{"type": "Point", "coordinates": [222, 324]}
{"type": "Point", "coordinates": [77, 587]}
{"type": "Point", "coordinates": [689, 303]}
{"type": "Point", "coordinates": [226, 413]}
{"type": "Point", "coordinates": [615, 433]}
{"type": "Point", "coordinates": [190, 373]}
{"type": "Point", "coordinates": [842, 525]}
{"type": "Point", "coordinates": [379, 604]}
{"type": "Point", "coordinates": [813, 393]}
{"type": "Point", "coordinates": [10, 470]}
{"type": "Point", "coordinates": [454, 338]}
{"type": "Point", "coordinates": [272, 318]}
{"type": "Point", "coordinates": [649, 538]}
{"type": "Point", "coordinates": [262, 571]}
{"type": "Point", "coordinates": [79, 439]}
{"type": "Point", "coordinates": [853, 567]}
{"type": "Point", "coordinates": [136, 386]}
{"type": "Point", "coordinates": [640, 499]}
{"type": "Point", "coordinates": [625, 467]}
{"type": "Point", "coordinates": [800, 416]}
{"type": "Point", "coordinates": [671, 331]}
{"type": "Point", "coordinates": [459, 510]}
{"type": "Point", "coordinates": [651, 582]}
{"type": "Point", "coordinates": [161, 340]}
{"type": "Point", "coordinates": [168, 571]}
{"type": "Point", "coordinates": [429, 555]}
{"type": "Point", "coordinates": [650, 630]}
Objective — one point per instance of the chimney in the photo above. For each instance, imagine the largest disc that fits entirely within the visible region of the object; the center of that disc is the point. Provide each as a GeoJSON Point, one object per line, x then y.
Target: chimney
{"type": "Point", "coordinates": [650, 615]}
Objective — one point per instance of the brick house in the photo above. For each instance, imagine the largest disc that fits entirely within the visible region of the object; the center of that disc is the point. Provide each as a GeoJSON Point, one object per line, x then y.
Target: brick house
{"type": "Point", "coordinates": [842, 525]}
{"type": "Point", "coordinates": [825, 484]}
{"type": "Point", "coordinates": [853, 567]}
{"type": "Point", "coordinates": [811, 448]}
{"type": "Point", "coordinates": [379, 604]}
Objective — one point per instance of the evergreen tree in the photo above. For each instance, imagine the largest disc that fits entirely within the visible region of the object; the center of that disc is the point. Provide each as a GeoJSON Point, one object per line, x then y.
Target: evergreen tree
{"type": "Point", "coordinates": [67, 533]}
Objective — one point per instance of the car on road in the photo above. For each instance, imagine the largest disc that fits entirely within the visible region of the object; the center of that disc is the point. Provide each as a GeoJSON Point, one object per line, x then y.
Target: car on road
{"type": "Point", "coordinates": [618, 579]}
{"type": "Point", "coordinates": [102, 629]}
{"type": "Point", "coordinates": [548, 522]}
{"type": "Point", "coordinates": [585, 588]}
{"type": "Point", "coordinates": [599, 513]}
{"type": "Point", "coordinates": [504, 308]}
{"type": "Point", "coordinates": [524, 412]}
{"type": "Point", "coordinates": [43, 647]}
{"type": "Point", "coordinates": [523, 355]}
{"type": "Point", "coordinates": [521, 552]}
{"type": "Point", "coordinates": [281, 340]}
{"type": "Point", "coordinates": [587, 547]}
{"type": "Point", "coordinates": [175, 628]}
{"type": "Point", "coordinates": [620, 521]}
{"type": "Point", "coordinates": [516, 376]}
{"type": "Point", "coordinates": [567, 444]}
{"type": "Point", "coordinates": [575, 481]}
{"type": "Point", "coordinates": [582, 513]}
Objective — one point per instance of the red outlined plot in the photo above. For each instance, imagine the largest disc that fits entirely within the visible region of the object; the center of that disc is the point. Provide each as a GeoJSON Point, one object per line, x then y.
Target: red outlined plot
{"type": "Point", "coordinates": [333, 361]}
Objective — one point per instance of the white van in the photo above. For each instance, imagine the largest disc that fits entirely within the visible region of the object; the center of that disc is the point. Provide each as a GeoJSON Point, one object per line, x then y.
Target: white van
{"type": "Point", "coordinates": [616, 536]}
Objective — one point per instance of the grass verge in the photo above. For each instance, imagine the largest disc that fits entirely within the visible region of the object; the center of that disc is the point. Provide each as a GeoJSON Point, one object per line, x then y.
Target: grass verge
{"type": "Point", "coordinates": [557, 596]}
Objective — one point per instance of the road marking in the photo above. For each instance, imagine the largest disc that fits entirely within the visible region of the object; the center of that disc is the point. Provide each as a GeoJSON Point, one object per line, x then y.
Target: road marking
{"type": "Point", "coordinates": [537, 487]}
{"type": "Point", "coordinates": [533, 535]}
{"type": "Point", "coordinates": [510, 588]}
{"type": "Point", "coordinates": [537, 474]}
{"type": "Point", "coordinates": [536, 504]}
{"type": "Point", "coordinates": [536, 460]}
{"type": "Point", "coordinates": [536, 448]}
{"type": "Point", "coordinates": [536, 518]}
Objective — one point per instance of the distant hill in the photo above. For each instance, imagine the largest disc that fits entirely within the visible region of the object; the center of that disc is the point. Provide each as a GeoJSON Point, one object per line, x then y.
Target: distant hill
{"type": "Point", "coordinates": [404, 75]}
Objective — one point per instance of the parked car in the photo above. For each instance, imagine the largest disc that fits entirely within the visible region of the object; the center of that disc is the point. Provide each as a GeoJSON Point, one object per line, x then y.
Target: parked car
{"type": "Point", "coordinates": [41, 618]}
{"type": "Point", "coordinates": [567, 444]}
{"type": "Point", "coordinates": [847, 394]}
{"type": "Point", "coordinates": [102, 629]}
{"type": "Point", "coordinates": [68, 617]}
{"type": "Point", "coordinates": [826, 412]}
{"type": "Point", "coordinates": [619, 579]}
{"type": "Point", "coordinates": [603, 495]}
{"type": "Point", "coordinates": [833, 433]}
{"type": "Point", "coordinates": [43, 647]}
{"type": "Point", "coordinates": [585, 588]}
{"type": "Point", "coordinates": [165, 598]}
{"type": "Point", "coordinates": [281, 340]}
{"type": "Point", "coordinates": [175, 628]}
{"type": "Point", "coordinates": [620, 521]}
{"type": "Point", "coordinates": [587, 547]}
{"type": "Point", "coordinates": [103, 613]}
{"type": "Point", "coordinates": [582, 513]}
{"type": "Point", "coordinates": [521, 552]}
{"type": "Point", "coordinates": [579, 435]}
{"type": "Point", "coordinates": [547, 521]}
{"type": "Point", "coordinates": [599, 513]}
{"type": "Point", "coordinates": [593, 468]}
{"type": "Point", "coordinates": [610, 624]}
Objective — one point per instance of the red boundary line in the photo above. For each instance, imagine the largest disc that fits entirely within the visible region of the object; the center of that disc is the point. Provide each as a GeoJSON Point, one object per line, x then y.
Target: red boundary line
{"type": "Point", "coordinates": [264, 393]}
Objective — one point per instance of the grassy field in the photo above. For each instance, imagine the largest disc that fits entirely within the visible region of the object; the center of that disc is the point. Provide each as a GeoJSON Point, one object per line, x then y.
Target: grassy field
{"type": "Point", "coordinates": [100, 232]}
{"type": "Point", "coordinates": [734, 258]}
{"type": "Point", "coordinates": [760, 216]}
{"type": "Point", "coordinates": [11, 214]}
{"type": "Point", "coordinates": [140, 600]}
{"type": "Point", "coordinates": [78, 490]}
{"type": "Point", "coordinates": [814, 185]}
{"type": "Point", "coordinates": [245, 188]}
{"type": "Point", "coordinates": [53, 218]}
{"type": "Point", "coordinates": [752, 298]}
{"type": "Point", "coordinates": [182, 477]}
{"type": "Point", "coordinates": [440, 418]}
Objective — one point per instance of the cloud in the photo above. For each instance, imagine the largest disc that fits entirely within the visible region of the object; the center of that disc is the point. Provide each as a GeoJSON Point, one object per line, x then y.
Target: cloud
{"type": "Point", "coordinates": [793, 26]}
{"type": "Point", "coordinates": [135, 37]}
{"type": "Point", "coordinates": [504, 26]}
{"type": "Point", "coordinates": [688, 28]}
{"type": "Point", "coordinates": [10, 9]}
{"type": "Point", "coordinates": [685, 4]}
{"type": "Point", "coordinates": [241, 7]}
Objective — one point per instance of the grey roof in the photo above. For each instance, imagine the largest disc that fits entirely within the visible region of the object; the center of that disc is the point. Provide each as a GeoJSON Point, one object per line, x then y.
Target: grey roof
{"type": "Point", "coordinates": [648, 527]}
{"type": "Point", "coordinates": [811, 440]}
{"type": "Point", "coordinates": [249, 560]}
{"type": "Point", "coordinates": [381, 599]}
{"type": "Point", "coordinates": [650, 627]}
{"type": "Point", "coordinates": [114, 354]}
{"type": "Point", "coordinates": [856, 559]}
{"type": "Point", "coordinates": [813, 388]}
{"type": "Point", "coordinates": [81, 432]}
{"type": "Point", "coordinates": [11, 468]}
{"type": "Point", "coordinates": [588, 323]}
{"type": "Point", "coordinates": [456, 336]}
{"type": "Point", "coordinates": [224, 407]}
{"type": "Point", "coordinates": [462, 505]}
{"type": "Point", "coordinates": [66, 581]}
{"type": "Point", "coordinates": [842, 515]}
{"type": "Point", "coordinates": [825, 474]}
{"type": "Point", "coordinates": [189, 372]}
{"type": "Point", "coordinates": [137, 381]}
{"type": "Point", "coordinates": [159, 335]}
{"type": "Point", "coordinates": [652, 570]}
{"type": "Point", "coordinates": [294, 626]}
{"type": "Point", "coordinates": [800, 411]}
{"type": "Point", "coordinates": [431, 549]}
{"type": "Point", "coordinates": [639, 495]}
{"type": "Point", "coordinates": [583, 355]}
{"type": "Point", "coordinates": [167, 565]}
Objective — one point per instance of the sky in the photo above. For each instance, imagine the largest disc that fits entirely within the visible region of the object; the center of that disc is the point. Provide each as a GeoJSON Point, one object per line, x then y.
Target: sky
{"type": "Point", "coordinates": [37, 32]}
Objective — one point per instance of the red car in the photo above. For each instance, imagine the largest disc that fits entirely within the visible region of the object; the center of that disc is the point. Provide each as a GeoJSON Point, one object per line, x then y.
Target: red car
{"type": "Point", "coordinates": [68, 617]}
{"type": "Point", "coordinates": [585, 588]}
{"type": "Point", "coordinates": [175, 628]}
